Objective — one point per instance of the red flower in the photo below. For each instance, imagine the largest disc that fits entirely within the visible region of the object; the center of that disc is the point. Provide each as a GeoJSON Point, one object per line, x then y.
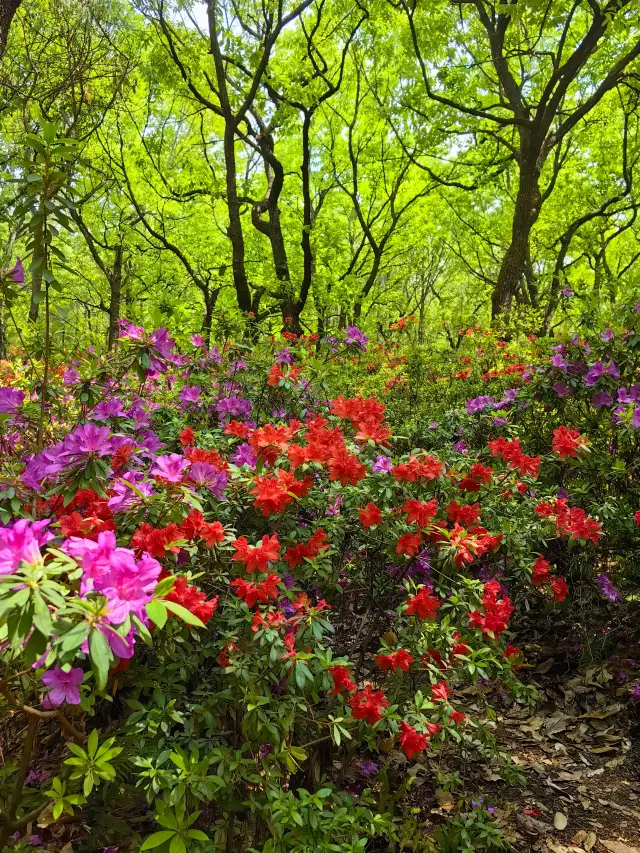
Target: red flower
{"type": "Point", "coordinates": [368, 704]}
{"type": "Point", "coordinates": [423, 604]}
{"type": "Point", "coordinates": [400, 660]}
{"type": "Point", "coordinates": [636, 517]}
{"type": "Point", "coordinates": [341, 680]}
{"type": "Point", "coordinates": [252, 593]}
{"type": "Point", "coordinates": [409, 544]}
{"type": "Point", "coordinates": [296, 554]}
{"type": "Point", "coordinates": [212, 532]}
{"type": "Point", "coordinates": [186, 437]}
{"type": "Point", "coordinates": [411, 742]}
{"type": "Point", "coordinates": [463, 514]}
{"type": "Point", "coordinates": [512, 652]}
{"type": "Point", "coordinates": [418, 468]}
{"type": "Point", "coordinates": [457, 717]}
{"type": "Point", "coordinates": [256, 556]}
{"type": "Point", "coordinates": [540, 571]}
{"type": "Point", "coordinates": [420, 511]}
{"type": "Point", "coordinates": [440, 691]}
{"type": "Point", "coordinates": [193, 599]}
{"type": "Point", "coordinates": [238, 429]}
{"type": "Point", "coordinates": [559, 588]}
{"type": "Point", "coordinates": [370, 515]}
{"type": "Point", "coordinates": [496, 614]}
{"type": "Point", "coordinates": [568, 442]}
{"type": "Point", "coordinates": [346, 467]}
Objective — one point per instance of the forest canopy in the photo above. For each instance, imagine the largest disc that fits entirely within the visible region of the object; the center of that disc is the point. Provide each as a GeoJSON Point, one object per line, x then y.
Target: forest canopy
{"type": "Point", "coordinates": [321, 162]}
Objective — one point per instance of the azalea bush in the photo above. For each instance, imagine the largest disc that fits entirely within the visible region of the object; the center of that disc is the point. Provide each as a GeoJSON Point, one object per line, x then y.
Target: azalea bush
{"type": "Point", "coordinates": [244, 605]}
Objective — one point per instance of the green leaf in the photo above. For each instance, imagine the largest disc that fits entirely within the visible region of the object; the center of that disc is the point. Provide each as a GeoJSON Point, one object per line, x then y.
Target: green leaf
{"type": "Point", "coordinates": [92, 743]}
{"type": "Point", "coordinates": [41, 616]}
{"type": "Point", "coordinates": [186, 615]}
{"type": "Point", "coordinates": [157, 839]}
{"type": "Point", "coordinates": [101, 656]}
{"type": "Point", "coordinates": [177, 845]}
{"type": "Point", "coordinates": [157, 612]}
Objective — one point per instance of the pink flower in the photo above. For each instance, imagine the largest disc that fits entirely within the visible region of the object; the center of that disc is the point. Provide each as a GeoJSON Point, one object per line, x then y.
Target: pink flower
{"type": "Point", "coordinates": [63, 686]}
{"type": "Point", "coordinates": [198, 341]}
{"type": "Point", "coordinates": [171, 467]}
{"type": "Point", "coordinates": [21, 543]}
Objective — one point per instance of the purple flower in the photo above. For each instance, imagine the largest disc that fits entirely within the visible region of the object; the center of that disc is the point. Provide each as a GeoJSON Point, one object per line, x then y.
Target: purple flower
{"type": "Point", "coordinates": [170, 467]}
{"type": "Point", "coordinates": [16, 273]}
{"type": "Point", "coordinates": [189, 395]}
{"type": "Point", "coordinates": [500, 422]}
{"type": "Point", "coordinates": [198, 341]}
{"type": "Point", "coordinates": [34, 840]}
{"type": "Point", "coordinates": [70, 377]}
{"type": "Point", "coordinates": [607, 588]}
{"type": "Point", "coordinates": [635, 691]}
{"type": "Point", "coordinates": [478, 404]}
{"type": "Point", "coordinates": [460, 447]}
{"type": "Point", "coordinates": [601, 399]}
{"type": "Point", "coordinates": [234, 406]}
{"type": "Point", "coordinates": [245, 455]}
{"type": "Point", "coordinates": [63, 686]}
{"type": "Point", "coordinates": [205, 475]}
{"type": "Point", "coordinates": [559, 362]}
{"type": "Point", "coordinates": [265, 750]}
{"type": "Point", "coordinates": [128, 330]}
{"type": "Point", "coordinates": [566, 293]}
{"type": "Point", "coordinates": [636, 307]}
{"type": "Point", "coordinates": [368, 768]}
{"type": "Point", "coordinates": [161, 341]}
{"type": "Point", "coordinates": [10, 400]}
{"type": "Point", "coordinates": [87, 440]}
{"type": "Point", "coordinates": [382, 465]}
{"type": "Point", "coordinates": [433, 425]}
{"type": "Point", "coordinates": [112, 408]}
{"type": "Point", "coordinates": [128, 491]}
{"type": "Point", "coordinates": [607, 335]}
{"type": "Point", "coordinates": [356, 338]}
{"type": "Point", "coordinates": [284, 356]}
{"type": "Point", "coordinates": [561, 389]}
{"type": "Point", "coordinates": [334, 506]}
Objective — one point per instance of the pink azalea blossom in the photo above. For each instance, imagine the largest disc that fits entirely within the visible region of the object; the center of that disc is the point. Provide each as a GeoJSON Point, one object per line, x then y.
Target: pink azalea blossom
{"type": "Point", "coordinates": [170, 467]}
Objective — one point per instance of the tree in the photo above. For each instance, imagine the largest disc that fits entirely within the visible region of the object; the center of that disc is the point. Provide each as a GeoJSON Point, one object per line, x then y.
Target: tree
{"type": "Point", "coordinates": [533, 73]}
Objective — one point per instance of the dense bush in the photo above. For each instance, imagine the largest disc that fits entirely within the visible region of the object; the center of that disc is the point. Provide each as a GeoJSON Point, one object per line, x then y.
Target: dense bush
{"type": "Point", "coordinates": [242, 589]}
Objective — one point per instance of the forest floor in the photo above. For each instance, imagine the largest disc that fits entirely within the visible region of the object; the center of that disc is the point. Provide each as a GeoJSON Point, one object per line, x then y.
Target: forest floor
{"type": "Point", "coordinates": [580, 749]}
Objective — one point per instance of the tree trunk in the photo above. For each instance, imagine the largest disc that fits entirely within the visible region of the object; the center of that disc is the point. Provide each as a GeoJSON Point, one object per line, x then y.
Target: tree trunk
{"type": "Point", "coordinates": [8, 9]}
{"type": "Point", "coordinates": [514, 263]}
{"type": "Point", "coordinates": [3, 332]}
{"type": "Point", "coordinates": [115, 294]}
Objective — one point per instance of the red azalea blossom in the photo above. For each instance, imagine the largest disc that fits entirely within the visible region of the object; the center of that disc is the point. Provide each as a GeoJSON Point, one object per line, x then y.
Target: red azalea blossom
{"type": "Point", "coordinates": [636, 517]}
{"type": "Point", "coordinates": [440, 691]}
{"type": "Point", "coordinates": [187, 437]}
{"type": "Point", "coordinates": [399, 660]}
{"type": "Point", "coordinates": [559, 588]}
{"type": "Point", "coordinates": [341, 680]}
{"type": "Point", "coordinates": [193, 599]}
{"type": "Point", "coordinates": [411, 741]}
{"type": "Point", "coordinates": [368, 704]}
{"type": "Point", "coordinates": [346, 467]}
{"type": "Point", "coordinates": [409, 544]}
{"type": "Point", "coordinates": [423, 604]}
{"type": "Point", "coordinates": [370, 515]}
{"type": "Point", "coordinates": [457, 717]}
{"type": "Point", "coordinates": [252, 593]}
{"type": "Point", "coordinates": [256, 557]}
{"type": "Point", "coordinates": [495, 618]}
{"type": "Point", "coordinates": [420, 512]}
{"type": "Point", "coordinates": [296, 554]}
{"type": "Point", "coordinates": [567, 443]}
{"type": "Point", "coordinates": [540, 571]}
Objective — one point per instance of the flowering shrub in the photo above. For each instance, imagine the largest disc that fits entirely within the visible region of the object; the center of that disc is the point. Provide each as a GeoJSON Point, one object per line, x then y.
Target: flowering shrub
{"type": "Point", "coordinates": [240, 595]}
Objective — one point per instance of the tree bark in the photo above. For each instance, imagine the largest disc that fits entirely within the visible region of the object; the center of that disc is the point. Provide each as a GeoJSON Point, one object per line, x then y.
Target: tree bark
{"type": "Point", "coordinates": [36, 277]}
{"type": "Point", "coordinates": [8, 9]}
{"type": "Point", "coordinates": [514, 264]}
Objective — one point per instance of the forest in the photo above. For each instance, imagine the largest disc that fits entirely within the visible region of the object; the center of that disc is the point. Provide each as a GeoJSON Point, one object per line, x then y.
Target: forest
{"type": "Point", "coordinates": [319, 412]}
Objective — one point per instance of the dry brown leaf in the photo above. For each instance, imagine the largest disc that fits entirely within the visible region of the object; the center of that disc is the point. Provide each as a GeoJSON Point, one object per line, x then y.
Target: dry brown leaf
{"type": "Point", "coordinates": [619, 847]}
{"type": "Point", "coordinates": [560, 820]}
{"type": "Point", "coordinates": [445, 799]}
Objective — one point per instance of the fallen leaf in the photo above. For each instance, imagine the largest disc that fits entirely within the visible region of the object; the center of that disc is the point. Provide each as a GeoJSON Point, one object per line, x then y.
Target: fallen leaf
{"type": "Point", "coordinates": [619, 847]}
{"type": "Point", "coordinates": [445, 799]}
{"type": "Point", "coordinates": [589, 841]}
{"type": "Point", "coordinates": [560, 820]}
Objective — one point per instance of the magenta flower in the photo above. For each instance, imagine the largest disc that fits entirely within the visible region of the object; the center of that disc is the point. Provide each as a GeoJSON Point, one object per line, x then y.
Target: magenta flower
{"type": "Point", "coordinates": [16, 273]}
{"type": "Point", "coordinates": [10, 400]}
{"type": "Point", "coordinates": [198, 341]}
{"type": "Point", "coordinates": [87, 440]}
{"type": "Point", "coordinates": [63, 686]}
{"type": "Point", "coordinates": [127, 490]}
{"type": "Point", "coordinates": [245, 455]}
{"type": "Point", "coordinates": [170, 467]}
{"type": "Point", "coordinates": [20, 542]}
{"type": "Point", "coordinates": [205, 475]}
{"type": "Point", "coordinates": [382, 465]}
{"type": "Point", "coordinates": [356, 338]}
